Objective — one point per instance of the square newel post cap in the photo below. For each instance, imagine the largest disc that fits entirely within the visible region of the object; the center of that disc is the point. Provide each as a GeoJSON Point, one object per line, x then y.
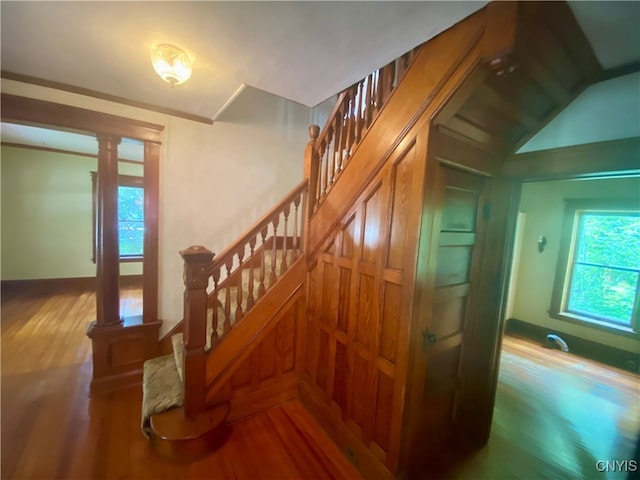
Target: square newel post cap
{"type": "Point", "coordinates": [197, 254]}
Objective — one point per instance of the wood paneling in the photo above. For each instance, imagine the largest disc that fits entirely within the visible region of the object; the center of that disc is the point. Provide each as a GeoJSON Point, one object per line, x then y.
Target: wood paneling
{"type": "Point", "coordinates": [262, 350]}
{"type": "Point", "coordinates": [358, 316]}
{"type": "Point", "coordinates": [538, 65]}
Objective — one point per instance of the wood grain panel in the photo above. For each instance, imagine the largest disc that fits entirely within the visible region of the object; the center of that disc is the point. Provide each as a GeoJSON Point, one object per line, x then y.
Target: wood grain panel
{"type": "Point", "coordinates": [242, 376]}
{"type": "Point", "coordinates": [323, 359]}
{"type": "Point", "coordinates": [344, 296]}
{"type": "Point", "coordinates": [372, 221]}
{"type": "Point", "coordinates": [348, 238]}
{"type": "Point", "coordinates": [328, 302]}
{"type": "Point", "coordinates": [341, 383]}
{"type": "Point", "coordinates": [391, 310]}
{"type": "Point", "coordinates": [384, 402]}
{"type": "Point", "coordinates": [453, 265]}
{"type": "Point", "coordinates": [364, 316]}
{"type": "Point", "coordinates": [401, 179]}
{"type": "Point", "coordinates": [361, 404]}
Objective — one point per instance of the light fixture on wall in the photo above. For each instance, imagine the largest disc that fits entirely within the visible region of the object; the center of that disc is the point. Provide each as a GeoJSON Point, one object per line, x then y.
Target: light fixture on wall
{"type": "Point", "coordinates": [171, 63]}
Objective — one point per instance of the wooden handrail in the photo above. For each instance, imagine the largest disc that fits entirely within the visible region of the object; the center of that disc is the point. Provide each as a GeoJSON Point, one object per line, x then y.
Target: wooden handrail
{"type": "Point", "coordinates": [355, 110]}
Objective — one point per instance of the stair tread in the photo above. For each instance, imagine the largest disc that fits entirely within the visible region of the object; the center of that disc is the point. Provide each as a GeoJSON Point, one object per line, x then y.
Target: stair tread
{"type": "Point", "coordinates": [174, 425]}
{"type": "Point", "coordinates": [161, 388]}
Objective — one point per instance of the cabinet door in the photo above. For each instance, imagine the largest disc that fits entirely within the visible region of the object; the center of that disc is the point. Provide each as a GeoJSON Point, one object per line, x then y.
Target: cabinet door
{"type": "Point", "coordinates": [448, 314]}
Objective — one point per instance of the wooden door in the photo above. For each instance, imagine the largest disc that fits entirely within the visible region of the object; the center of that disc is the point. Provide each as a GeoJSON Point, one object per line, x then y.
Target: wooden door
{"type": "Point", "coordinates": [455, 252]}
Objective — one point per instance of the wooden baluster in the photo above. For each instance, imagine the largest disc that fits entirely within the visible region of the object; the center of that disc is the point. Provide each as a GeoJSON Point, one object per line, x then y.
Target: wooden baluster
{"type": "Point", "coordinates": [263, 263]}
{"type": "Point", "coordinates": [296, 246]}
{"type": "Point", "coordinates": [368, 113]}
{"type": "Point", "coordinates": [357, 113]}
{"type": "Point", "coordinates": [273, 277]}
{"type": "Point", "coordinates": [227, 299]}
{"type": "Point", "coordinates": [351, 137]}
{"type": "Point", "coordinates": [215, 274]}
{"type": "Point", "coordinates": [337, 143]}
{"type": "Point", "coordinates": [388, 80]}
{"type": "Point", "coordinates": [239, 312]}
{"type": "Point", "coordinates": [250, 298]}
{"type": "Point", "coordinates": [330, 162]}
{"type": "Point", "coordinates": [286, 211]}
{"type": "Point", "coordinates": [323, 159]}
{"type": "Point", "coordinates": [311, 168]}
{"type": "Point", "coordinates": [379, 90]}
{"type": "Point", "coordinates": [197, 265]}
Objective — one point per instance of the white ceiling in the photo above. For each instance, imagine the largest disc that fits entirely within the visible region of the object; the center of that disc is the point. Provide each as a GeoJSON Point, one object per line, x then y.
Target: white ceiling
{"type": "Point", "coordinates": [303, 51]}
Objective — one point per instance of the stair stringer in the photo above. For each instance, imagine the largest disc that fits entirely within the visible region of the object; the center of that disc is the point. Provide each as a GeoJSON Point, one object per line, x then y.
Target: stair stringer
{"type": "Point", "coordinates": [439, 68]}
{"type": "Point", "coordinates": [257, 364]}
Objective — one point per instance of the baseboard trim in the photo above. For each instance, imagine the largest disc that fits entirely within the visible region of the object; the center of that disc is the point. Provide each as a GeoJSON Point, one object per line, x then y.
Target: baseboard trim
{"type": "Point", "coordinates": [72, 283]}
{"type": "Point", "coordinates": [615, 357]}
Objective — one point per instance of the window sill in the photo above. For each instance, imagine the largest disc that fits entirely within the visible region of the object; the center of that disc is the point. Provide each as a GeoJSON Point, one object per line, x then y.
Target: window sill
{"type": "Point", "coordinates": [596, 324]}
{"type": "Point", "coordinates": [131, 258]}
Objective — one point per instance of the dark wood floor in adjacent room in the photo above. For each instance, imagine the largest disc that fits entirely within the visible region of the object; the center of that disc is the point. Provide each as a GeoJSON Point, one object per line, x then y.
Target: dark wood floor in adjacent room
{"type": "Point", "coordinates": [556, 414]}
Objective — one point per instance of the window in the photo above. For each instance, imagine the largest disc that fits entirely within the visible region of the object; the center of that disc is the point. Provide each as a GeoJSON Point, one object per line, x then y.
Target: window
{"type": "Point", "coordinates": [599, 265]}
{"type": "Point", "coordinates": [130, 217]}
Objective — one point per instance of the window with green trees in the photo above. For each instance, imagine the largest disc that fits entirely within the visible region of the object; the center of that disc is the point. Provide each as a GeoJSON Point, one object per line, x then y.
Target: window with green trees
{"type": "Point", "coordinates": [131, 220]}
{"type": "Point", "coordinates": [130, 217]}
{"type": "Point", "coordinates": [599, 265]}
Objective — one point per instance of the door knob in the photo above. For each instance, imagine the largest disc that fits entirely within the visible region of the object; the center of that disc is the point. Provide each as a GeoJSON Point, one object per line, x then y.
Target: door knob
{"type": "Point", "coordinates": [428, 338]}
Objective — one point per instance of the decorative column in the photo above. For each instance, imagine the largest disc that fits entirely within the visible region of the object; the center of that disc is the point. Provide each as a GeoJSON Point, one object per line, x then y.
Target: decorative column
{"type": "Point", "coordinates": [151, 222]}
{"type": "Point", "coordinates": [107, 251]}
{"type": "Point", "coordinates": [197, 269]}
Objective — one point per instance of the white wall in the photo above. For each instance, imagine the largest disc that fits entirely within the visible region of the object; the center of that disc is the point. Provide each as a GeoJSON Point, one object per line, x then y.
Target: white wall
{"type": "Point", "coordinates": [543, 205]}
{"type": "Point", "coordinates": [215, 180]}
{"type": "Point", "coordinates": [46, 215]}
{"type": "Point", "coordinates": [614, 103]}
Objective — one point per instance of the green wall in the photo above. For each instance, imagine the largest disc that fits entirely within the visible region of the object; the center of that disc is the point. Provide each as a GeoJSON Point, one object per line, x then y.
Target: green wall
{"type": "Point", "coordinates": [542, 208]}
{"type": "Point", "coordinates": [46, 215]}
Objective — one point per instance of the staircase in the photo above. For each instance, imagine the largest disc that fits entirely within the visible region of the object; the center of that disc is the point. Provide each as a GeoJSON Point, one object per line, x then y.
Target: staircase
{"type": "Point", "coordinates": [317, 299]}
{"type": "Point", "coordinates": [238, 280]}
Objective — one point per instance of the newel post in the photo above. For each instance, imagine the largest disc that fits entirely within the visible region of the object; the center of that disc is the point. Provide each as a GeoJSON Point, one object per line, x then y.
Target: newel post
{"type": "Point", "coordinates": [312, 168]}
{"type": "Point", "coordinates": [197, 268]}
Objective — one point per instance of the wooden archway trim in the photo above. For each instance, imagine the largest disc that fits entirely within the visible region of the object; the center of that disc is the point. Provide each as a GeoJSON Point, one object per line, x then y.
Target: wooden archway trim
{"type": "Point", "coordinates": [29, 110]}
{"type": "Point", "coordinates": [33, 111]}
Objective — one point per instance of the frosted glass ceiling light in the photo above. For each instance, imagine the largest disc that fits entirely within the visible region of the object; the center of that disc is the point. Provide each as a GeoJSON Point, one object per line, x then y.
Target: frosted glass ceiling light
{"type": "Point", "coordinates": [171, 63]}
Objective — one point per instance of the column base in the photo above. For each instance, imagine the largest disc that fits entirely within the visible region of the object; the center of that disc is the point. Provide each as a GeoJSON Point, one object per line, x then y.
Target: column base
{"type": "Point", "coordinates": [119, 352]}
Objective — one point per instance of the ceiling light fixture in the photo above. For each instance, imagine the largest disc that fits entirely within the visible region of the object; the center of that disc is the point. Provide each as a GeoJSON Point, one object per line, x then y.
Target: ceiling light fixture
{"type": "Point", "coordinates": [171, 63]}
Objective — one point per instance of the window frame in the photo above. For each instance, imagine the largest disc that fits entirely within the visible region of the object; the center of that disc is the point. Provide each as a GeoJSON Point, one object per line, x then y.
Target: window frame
{"type": "Point", "coordinates": [123, 181]}
{"type": "Point", "coordinates": [564, 272]}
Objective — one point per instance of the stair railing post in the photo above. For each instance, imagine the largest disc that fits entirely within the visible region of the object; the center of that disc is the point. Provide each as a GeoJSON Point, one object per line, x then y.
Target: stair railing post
{"type": "Point", "coordinates": [311, 175]}
{"type": "Point", "coordinates": [197, 269]}
{"type": "Point", "coordinates": [312, 168]}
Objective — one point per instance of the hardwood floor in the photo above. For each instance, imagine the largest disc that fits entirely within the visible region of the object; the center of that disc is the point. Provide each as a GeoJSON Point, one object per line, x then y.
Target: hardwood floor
{"type": "Point", "coordinates": [556, 414]}
{"type": "Point", "coordinates": [51, 429]}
